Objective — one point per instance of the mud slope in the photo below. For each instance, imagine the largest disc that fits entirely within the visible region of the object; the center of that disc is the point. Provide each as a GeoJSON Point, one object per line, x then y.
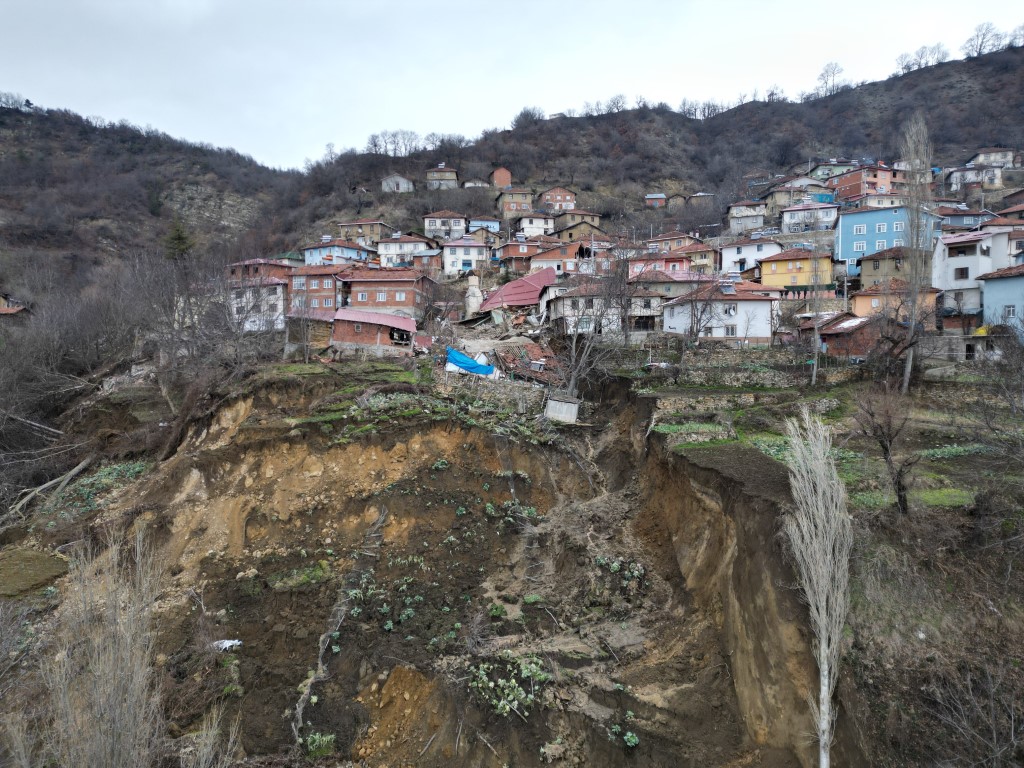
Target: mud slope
{"type": "Point", "coordinates": [439, 596]}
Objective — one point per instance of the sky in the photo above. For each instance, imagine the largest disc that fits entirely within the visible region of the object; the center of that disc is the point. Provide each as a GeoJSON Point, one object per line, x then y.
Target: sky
{"type": "Point", "coordinates": [279, 80]}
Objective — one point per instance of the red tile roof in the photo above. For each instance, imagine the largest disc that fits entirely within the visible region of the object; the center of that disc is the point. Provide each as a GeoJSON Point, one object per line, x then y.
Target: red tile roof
{"type": "Point", "coordinates": [1014, 209]}
{"type": "Point", "coordinates": [1017, 271]}
{"type": "Point", "coordinates": [523, 292]}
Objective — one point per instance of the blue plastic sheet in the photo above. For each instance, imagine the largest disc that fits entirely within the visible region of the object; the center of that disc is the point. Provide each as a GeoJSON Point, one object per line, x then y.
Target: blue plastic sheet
{"type": "Point", "coordinates": [467, 363]}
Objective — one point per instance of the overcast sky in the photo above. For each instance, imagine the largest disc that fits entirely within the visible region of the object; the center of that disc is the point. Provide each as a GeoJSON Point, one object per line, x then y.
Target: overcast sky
{"type": "Point", "coordinates": [280, 79]}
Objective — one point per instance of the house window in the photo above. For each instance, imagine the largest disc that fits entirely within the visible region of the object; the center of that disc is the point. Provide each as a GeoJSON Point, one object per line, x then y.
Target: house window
{"type": "Point", "coordinates": [875, 303]}
{"type": "Point", "coordinates": [789, 266]}
{"type": "Point", "coordinates": [1009, 312]}
{"type": "Point", "coordinates": [238, 295]}
{"type": "Point", "coordinates": [399, 295]}
{"type": "Point", "coordinates": [879, 245]}
{"type": "Point", "coordinates": [739, 249]}
{"type": "Point", "coordinates": [574, 303]}
{"type": "Point", "coordinates": [361, 296]}
{"type": "Point", "coordinates": [272, 308]}
{"type": "Point", "coordinates": [382, 295]}
{"type": "Point", "coordinates": [328, 283]}
{"type": "Point", "coordinates": [860, 229]}
{"type": "Point", "coordinates": [876, 264]}
{"type": "Point", "coordinates": [357, 327]}
{"type": "Point", "coordinates": [774, 265]}
{"type": "Point", "coordinates": [968, 219]}
{"type": "Point", "coordinates": [860, 246]}
{"type": "Point", "coordinates": [512, 206]}
{"type": "Point", "coordinates": [792, 280]}
{"type": "Point", "coordinates": [897, 226]}
{"type": "Point", "coordinates": [522, 249]}
{"type": "Point", "coordinates": [897, 242]}
{"type": "Point", "coordinates": [760, 247]}
{"type": "Point", "coordinates": [960, 273]}
{"type": "Point", "coordinates": [730, 330]}
{"type": "Point", "coordinates": [672, 267]}
{"type": "Point", "coordinates": [584, 324]}
{"type": "Point", "coordinates": [647, 303]}
{"type": "Point", "coordinates": [588, 303]}
{"type": "Point", "coordinates": [299, 283]}
{"type": "Point", "coordinates": [958, 297]}
{"type": "Point", "coordinates": [880, 227]}
{"type": "Point", "coordinates": [314, 302]}
{"type": "Point", "coordinates": [467, 265]}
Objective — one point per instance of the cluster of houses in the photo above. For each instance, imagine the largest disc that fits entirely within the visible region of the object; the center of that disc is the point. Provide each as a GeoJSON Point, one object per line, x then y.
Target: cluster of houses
{"type": "Point", "coordinates": [831, 245]}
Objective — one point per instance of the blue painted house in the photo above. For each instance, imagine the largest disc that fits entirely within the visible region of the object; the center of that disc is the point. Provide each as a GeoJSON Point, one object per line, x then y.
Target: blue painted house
{"type": "Point", "coordinates": [963, 217]}
{"type": "Point", "coordinates": [866, 231]}
{"type": "Point", "coordinates": [1003, 297]}
{"type": "Point", "coordinates": [484, 222]}
{"type": "Point", "coordinates": [335, 252]}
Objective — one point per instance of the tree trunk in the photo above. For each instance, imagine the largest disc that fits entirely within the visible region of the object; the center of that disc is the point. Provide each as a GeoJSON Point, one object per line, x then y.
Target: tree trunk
{"type": "Point", "coordinates": [824, 713]}
{"type": "Point", "coordinates": [908, 366]}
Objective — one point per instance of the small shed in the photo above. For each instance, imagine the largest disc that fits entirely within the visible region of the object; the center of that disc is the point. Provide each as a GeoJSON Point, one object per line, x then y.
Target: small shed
{"type": "Point", "coordinates": [561, 407]}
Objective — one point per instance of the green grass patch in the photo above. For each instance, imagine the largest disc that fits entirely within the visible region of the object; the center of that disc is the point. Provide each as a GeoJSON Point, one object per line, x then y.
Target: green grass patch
{"type": "Point", "coordinates": [953, 451]}
{"type": "Point", "coordinates": [871, 499]}
{"type": "Point", "coordinates": [300, 577]}
{"type": "Point", "coordinates": [689, 427]}
{"type": "Point", "coordinates": [944, 497]}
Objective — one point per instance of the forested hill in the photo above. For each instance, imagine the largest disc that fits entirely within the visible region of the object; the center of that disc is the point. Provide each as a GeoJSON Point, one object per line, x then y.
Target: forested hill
{"type": "Point", "coordinates": [82, 189]}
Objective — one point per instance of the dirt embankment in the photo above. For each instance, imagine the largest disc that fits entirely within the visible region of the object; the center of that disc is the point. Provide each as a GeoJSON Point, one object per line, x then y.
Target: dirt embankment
{"type": "Point", "coordinates": [375, 580]}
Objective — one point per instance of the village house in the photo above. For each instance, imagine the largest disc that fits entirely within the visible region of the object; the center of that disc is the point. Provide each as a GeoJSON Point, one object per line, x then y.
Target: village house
{"type": "Point", "coordinates": [514, 257]}
{"type": "Point", "coordinates": [672, 261]}
{"type": "Point", "coordinates": [315, 287]}
{"type": "Point", "coordinates": [588, 308]}
{"type": "Point", "coordinates": [404, 292]}
{"type": "Point", "coordinates": [513, 202]}
{"type": "Point", "coordinates": [962, 217]}
{"type": "Point", "coordinates": [746, 215]}
{"type": "Point", "coordinates": [892, 298]}
{"type": "Point", "coordinates": [501, 178]}
{"type": "Point", "coordinates": [847, 335]}
{"type": "Point", "coordinates": [741, 255]}
{"type": "Point", "coordinates": [823, 171]}
{"type": "Point", "coordinates": [378, 333]}
{"type": "Point", "coordinates": [808, 217]}
{"type": "Point", "coordinates": [258, 302]}
{"type": "Point", "coordinates": [464, 255]}
{"type": "Point", "coordinates": [535, 223]}
{"type": "Point", "coordinates": [978, 176]}
{"type": "Point", "coordinates": [576, 216]}
{"type": "Point", "coordinates": [1000, 157]}
{"type": "Point", "coordinates": [798, 273]}
{"type": "Point", "coordinates": [442, 177]}
{"type": "Point", "coordinates": [890, 264]}
{"type": "Point", "coordinates": [329, 251]}
{"type": "Point", "coordinates": [555, 199]}
{"type": "Point", "coordinates": [583, 230]}
{"type": "Point", "coordinates": [400, 250]}
{"type": "Point", "coordinates": [719, 311]}
{"type": "Point", "coordinates": [887, 200]}
{"type": "Point", "coordinates": [445, 225]}
{"type": "Point", "coordinates": [257, 269]}
{"type": "Point", "coordinates": [565, 259]}
{"type": "Point", "coordinates": [485, 222]}
{"type": "Point", "coordinates": [655, 200]}
{"type": "Point", "coordinates": [866, 231]}
{"type": "Point", "coordinates": [1003, 293]}
{"type": "Point", "coordinates": [671, 285]}
{"type": "Point", "coordinates": [484, 237]}
{"type": "Point", "coordinates": [308, 328]}
{"type": "Point", "coordinates": [365, 232]}
{"type": "Point", "coordinates": [396, 183]}
{"type": "Point", "coordinates": [866, 180]}
{"type": "Point", "coordinates": [957, 262]}
{"type": "Point", "coordinates": [472, 183]}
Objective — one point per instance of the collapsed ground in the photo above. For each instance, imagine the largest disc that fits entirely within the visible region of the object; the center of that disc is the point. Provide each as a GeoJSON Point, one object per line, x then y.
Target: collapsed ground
{"type": "Point", "coordinates": [385, 555]}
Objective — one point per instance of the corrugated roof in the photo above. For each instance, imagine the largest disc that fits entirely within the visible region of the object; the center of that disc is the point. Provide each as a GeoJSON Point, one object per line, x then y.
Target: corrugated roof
{"type": "Point", "coordinates": [523, 292]}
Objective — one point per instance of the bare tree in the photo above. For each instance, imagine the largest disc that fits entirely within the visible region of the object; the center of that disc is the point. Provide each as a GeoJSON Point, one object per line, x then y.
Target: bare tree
{"type": "Point", "coordinates": [916, 149]}
{"type": "Point", "coordinates": [983, 709]}
{"type": "Point", "coordinates": [102, 693]}
{"type": "Point", "coordinates": [820, 534]}
{"type": "Point", "coordinates": [828, 80]}
{"type": "Point", "coordinates": [986, 38]}
{"type": "Point", "coordinates": [883, 415]}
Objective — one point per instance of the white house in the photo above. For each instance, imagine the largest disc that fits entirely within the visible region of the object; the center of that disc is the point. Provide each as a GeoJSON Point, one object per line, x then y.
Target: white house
{"type": "Point", "coordinates": [741, 255]}
{"type": "Point", "coordinates": [722, 312]}
{"type": "Point", "coordinates": [988, 176]}
{"type": "Point", "coordinates": [808, 217]}
{"type": "Point", "coordinates": [398, 249]}
{"type": "Point", "coordinates": [447, 225]}
{"type": "Point", "coordinates": [535, 223]}
{"type": "Point", "coordinates": [464, 255]}
{"type": "Point", "coordinates": [259, 305]}
{"type": "Point", "coordinates": [746, 215]}
{"type": "Point", "coordinates": [589, 308]}
{"type": "Point", "coordinates": [396, 183]}
{"type": "Point", "coordinates": [959, 259]}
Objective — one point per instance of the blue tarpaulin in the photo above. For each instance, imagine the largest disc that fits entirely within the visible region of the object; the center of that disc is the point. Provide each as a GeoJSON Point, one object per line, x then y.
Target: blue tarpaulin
{"type": "Point", "coordinates": [468, 364]}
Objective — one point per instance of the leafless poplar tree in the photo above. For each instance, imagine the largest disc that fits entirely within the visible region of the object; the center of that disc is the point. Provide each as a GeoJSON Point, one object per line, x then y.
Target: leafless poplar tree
{"type": "Point", "coordinates": [820, 534]}
{"type": "Point", "coordinates": [916, 149]}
